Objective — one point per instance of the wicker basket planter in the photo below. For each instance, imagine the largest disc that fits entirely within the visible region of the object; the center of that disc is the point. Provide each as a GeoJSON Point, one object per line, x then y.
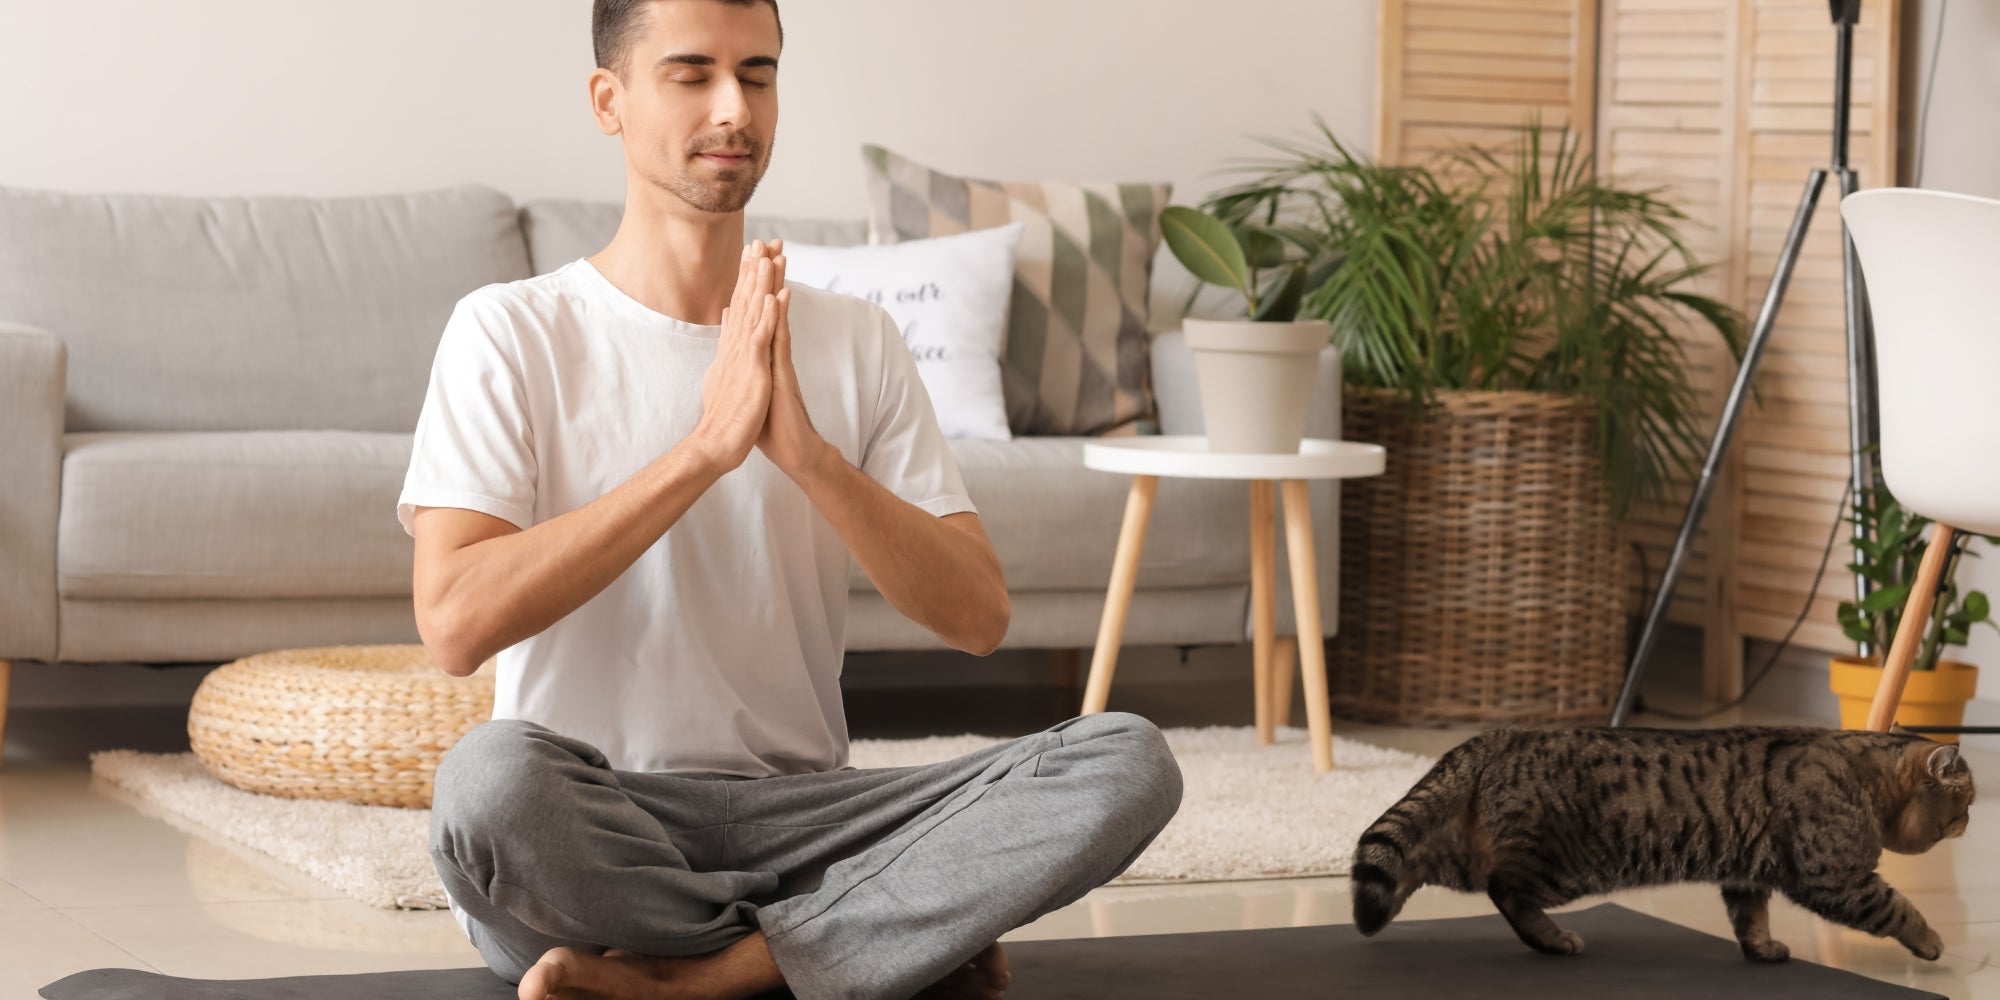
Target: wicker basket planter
{"type": "Point", "coordinates": [1484, 579]}
{"type": "Point", "coordinates": [365, 724]}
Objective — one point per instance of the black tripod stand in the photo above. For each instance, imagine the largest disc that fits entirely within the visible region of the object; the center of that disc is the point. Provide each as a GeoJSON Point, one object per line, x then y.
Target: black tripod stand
{"type": "Point", "coordinates": [1863, 431]}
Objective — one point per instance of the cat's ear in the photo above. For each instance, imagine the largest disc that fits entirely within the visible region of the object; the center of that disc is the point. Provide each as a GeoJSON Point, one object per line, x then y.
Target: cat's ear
{"type": "Point", "coordinates": [1945, 763]}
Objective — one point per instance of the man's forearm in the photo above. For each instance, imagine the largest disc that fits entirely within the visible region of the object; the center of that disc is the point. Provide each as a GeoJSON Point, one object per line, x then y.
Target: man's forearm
{"type": "Point", "coordinates": [940, 576]}
{"type": "Point", "coordinates": [506, 589]}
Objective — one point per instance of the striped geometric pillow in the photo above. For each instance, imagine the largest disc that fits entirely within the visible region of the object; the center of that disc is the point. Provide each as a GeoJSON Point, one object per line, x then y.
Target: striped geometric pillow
{"type": "Point", "coordinates": [1076, 360]}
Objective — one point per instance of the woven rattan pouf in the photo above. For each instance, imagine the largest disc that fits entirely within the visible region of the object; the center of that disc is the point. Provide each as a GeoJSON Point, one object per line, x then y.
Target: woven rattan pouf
{"type": "Point", "coordinates": [364, 724]}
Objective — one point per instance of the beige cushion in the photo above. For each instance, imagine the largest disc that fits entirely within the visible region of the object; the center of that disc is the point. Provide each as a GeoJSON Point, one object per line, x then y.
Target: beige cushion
{"type": "Point", "coordinates": [215, 629]}
{"type": "Point", "coordinates": [265, 514]}
{"type": "Point", "coordinates": [1054, 524]}
{"type": "Point", "coordinates": [310, 514]}
{"type": "Point", "coordinates": [212, 546]}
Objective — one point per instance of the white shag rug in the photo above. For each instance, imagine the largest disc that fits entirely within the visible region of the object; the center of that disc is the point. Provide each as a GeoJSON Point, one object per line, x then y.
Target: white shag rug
{"type": "Point", "coordinates": [1248, 812]}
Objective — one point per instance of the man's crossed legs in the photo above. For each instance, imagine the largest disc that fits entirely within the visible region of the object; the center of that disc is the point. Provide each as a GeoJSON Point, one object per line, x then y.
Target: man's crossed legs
{"type": "Point", "coordinates": [858, 884]}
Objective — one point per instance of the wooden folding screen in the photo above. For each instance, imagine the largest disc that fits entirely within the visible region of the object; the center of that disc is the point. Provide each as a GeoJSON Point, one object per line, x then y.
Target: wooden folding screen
{"type": "Point", "coordinates": [1726, 105]}
{"type": "Point", "coordinates": [1472, 70]}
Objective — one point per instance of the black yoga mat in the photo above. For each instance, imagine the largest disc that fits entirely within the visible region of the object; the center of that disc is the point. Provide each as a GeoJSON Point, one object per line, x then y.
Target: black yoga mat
{"type": "Point", "coordinates": [1627, 955]}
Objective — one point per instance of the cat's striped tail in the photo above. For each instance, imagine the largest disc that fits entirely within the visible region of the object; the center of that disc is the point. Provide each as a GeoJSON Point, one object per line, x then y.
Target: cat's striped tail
{"type": "Point", "coordinates": [1381, 859]}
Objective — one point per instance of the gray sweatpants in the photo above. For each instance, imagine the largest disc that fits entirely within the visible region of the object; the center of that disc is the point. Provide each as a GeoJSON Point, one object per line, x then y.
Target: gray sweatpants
{"type": "Point", "coordinates": [867, 884]}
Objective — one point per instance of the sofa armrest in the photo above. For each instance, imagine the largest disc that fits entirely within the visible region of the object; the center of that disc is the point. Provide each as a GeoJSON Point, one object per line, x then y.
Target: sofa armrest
{"type": "Point", "coordinates": [1179, 400]}
{"type": "Point", "coordinates": [34, 367]}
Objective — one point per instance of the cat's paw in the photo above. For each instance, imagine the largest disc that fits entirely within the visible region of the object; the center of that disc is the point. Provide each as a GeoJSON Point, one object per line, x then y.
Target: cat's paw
{"type": "Point", "coordinates": [1925, 944]}
{"type": "Point", "coordinates": [1767, 951]}
{"type": "Point", "coordinates": [1566, 943]}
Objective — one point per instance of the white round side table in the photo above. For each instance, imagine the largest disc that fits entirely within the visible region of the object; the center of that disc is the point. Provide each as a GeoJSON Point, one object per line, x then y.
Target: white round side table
{"type": "Point", "coordinates": [1147, 459]}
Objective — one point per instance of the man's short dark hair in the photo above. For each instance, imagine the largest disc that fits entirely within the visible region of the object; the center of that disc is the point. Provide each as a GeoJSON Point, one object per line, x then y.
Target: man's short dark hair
{"type": "Point", "coordinates": [615, 23]}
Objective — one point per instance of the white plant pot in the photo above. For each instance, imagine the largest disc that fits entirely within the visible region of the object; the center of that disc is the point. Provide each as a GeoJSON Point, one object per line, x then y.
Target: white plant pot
{"type": "Point", "coordinates": [1256, 381]}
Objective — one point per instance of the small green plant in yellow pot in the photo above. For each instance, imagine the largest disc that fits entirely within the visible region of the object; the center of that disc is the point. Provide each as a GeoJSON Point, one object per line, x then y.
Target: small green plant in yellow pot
{"type": "Point", "coordinates": [1938, 688]}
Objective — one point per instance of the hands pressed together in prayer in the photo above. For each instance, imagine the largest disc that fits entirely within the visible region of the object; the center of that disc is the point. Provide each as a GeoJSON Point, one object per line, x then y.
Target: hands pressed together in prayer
{"type": "Point", "coordinates": [938, 571]}
{"type": "Point", "coordinates": [750, 396]}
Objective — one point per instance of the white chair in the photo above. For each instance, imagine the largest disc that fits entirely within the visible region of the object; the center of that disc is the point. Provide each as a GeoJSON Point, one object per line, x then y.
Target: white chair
{"type": "Point", "coordinates": [1931, 262]}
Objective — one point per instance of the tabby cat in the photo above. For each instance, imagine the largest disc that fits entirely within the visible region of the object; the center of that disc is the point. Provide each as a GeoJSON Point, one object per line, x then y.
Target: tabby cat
{"type": "Point", "coordinates": [1538, 818]}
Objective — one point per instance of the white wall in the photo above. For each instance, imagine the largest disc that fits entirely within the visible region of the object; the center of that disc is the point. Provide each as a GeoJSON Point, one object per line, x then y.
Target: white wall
{"type": "Point", "coordinates": [1962, 151]}
{"type": "Point", "coordinates": [366, 96]}
{"type": "Point", "coordinates": [1962, 154]}
{"type": "Point", "coordinates": [363, 96]}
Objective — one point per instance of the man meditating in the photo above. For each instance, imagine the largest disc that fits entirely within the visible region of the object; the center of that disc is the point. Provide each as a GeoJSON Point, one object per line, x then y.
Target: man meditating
{"type": "Point", "coordinates": [638, 480]}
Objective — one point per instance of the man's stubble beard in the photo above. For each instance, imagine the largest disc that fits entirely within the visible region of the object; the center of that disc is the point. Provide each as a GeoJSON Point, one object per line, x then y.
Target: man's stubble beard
{"type": "Point", "coordinates": [718, 196]}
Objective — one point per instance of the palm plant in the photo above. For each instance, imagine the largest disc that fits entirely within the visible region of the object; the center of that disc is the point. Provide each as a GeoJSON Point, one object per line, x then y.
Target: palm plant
{"type": "Point", "coordinates": [1471, 273]}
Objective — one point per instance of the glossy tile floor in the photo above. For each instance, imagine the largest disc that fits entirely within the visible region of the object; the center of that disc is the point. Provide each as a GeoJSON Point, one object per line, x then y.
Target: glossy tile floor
{"type": "Point", "coordinates": [88, 879]}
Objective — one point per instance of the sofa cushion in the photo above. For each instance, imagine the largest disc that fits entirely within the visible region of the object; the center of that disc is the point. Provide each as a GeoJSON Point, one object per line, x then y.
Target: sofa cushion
{"type": "Point", "coordinates": [273, 514]}
{"type": "Point", "coordinates": [268, 313]}
{"type": "Point", "coordinates": [948, 298]}
{"type": "Point", "coordinates": [560, 230]}
{"type": "Point", "coordinates": [1054, 523]}
{"type": "Point", "coordinates": [1076, 331]}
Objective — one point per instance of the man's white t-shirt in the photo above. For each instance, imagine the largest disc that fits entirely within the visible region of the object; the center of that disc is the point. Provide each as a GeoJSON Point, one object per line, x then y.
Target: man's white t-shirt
{"type": "Point", "coordinates": [720, 649]}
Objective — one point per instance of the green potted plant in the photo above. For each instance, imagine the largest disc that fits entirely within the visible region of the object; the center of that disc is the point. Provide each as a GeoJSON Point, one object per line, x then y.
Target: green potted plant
{"type": "Point", "coordinates": [1255, 373]}
{"type": "Point", "coordinates": [1938, 689]}
{"type": "Point", "coordinates": [1511, 329]}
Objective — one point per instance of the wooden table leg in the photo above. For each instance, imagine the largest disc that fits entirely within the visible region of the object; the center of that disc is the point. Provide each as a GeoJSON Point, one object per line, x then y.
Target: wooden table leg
{"type": "Point", "coordinates": [1263, 615]}
{"type": "Point", "coordinates": [1305, 597]}
{"type": "Point", "coordinates": [1283, 650]}
{"type": "Point", "coordinates": [1118, 600]}
{"type": "Point", "coordinates": [6, 675]}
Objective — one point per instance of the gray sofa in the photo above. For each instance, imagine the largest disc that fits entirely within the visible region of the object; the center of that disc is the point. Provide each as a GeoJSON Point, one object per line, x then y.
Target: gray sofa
{"type": "Point", "coordinates": [206, 409]}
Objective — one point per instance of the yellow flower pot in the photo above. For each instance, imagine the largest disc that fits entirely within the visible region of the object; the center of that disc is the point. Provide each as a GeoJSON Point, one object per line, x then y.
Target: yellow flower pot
{"type": "Point", "coordinates": [1930, 698]}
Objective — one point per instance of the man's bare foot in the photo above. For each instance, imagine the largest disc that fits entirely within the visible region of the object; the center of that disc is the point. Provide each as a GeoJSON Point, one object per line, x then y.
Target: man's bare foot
{"type": "Point", "coordinates": [743, 969]}
{"type": "Point", "coordinates": [984, 978]}
{"type": "Point", "coordinates": [565, 973]}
